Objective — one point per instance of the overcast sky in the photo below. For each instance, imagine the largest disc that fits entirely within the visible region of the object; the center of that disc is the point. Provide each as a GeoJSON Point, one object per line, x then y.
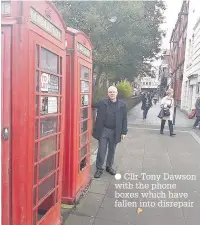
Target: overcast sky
{"type": "Point", "coordinates": [171, 13]}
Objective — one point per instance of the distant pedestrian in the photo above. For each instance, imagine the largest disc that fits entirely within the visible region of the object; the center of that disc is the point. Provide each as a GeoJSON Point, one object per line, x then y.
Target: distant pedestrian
{"type": "Point", "coordinates": [167, 111]}
{"type": "Point", "coordinates": [110, 128]}
{"type": "Point", "coordinates": [155, 99]}
{"type": "Point", "coordinates": [197, 108]}
{"type": "Point", "coordinates": [146, 104]}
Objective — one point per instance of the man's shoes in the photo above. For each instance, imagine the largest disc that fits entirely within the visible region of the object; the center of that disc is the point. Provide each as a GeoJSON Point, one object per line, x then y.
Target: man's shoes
{"type": "Point", "coordinates": [172, 135]}
{"type": "Point", "coordinates": [110, 171]}
{"type": "Point", "coordinates": [98, 173]}
{"type": "Point", "coordinates": [161, 132]}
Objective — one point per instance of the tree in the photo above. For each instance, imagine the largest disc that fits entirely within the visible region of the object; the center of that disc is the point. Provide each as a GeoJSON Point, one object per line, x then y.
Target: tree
{"type": "Point", "coordinates": [122, 45]}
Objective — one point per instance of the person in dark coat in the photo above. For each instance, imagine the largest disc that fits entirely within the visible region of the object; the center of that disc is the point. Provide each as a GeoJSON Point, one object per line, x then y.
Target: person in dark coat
{"type": "Point", "coordinates": [197, 107]}
{"type": "Point", "coordinates": [109, 129]}
{"type": "Point", "coordinates": [146, 104]}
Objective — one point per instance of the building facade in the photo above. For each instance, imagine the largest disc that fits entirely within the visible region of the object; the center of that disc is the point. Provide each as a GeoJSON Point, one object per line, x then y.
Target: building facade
{"type": "Point", "coordinates": [191, 78]}
{"type": "Point", "coordinates": [164, 73]}
{"type": "Point", "coordinates": [149, 84]}
{"type": "Point", "coordinates": [177, 51]}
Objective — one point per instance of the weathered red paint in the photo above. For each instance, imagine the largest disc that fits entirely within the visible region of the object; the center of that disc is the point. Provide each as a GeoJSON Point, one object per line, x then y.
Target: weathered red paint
{"type": "Point", "coordinates": [74, 180]}
{"type": "Point", "coordinates": [19, 107]}
{"type": "Point", "coordinates": [6, 121]}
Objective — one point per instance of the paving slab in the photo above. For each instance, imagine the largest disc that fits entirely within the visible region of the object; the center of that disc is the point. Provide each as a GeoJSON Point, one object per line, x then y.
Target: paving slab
{"type": "Point", "coordinates": [193, 220]}
{"type": "Point", "coordinates": [79, 220]}
{"type": "Point", "coordinates": [99, 221]}
{"type": "Point", "coordinates": [108, 211]}
{"type": "Point", "coordinates": [99, 186]}
{"type": "Point", "coordinates": [89, 206]}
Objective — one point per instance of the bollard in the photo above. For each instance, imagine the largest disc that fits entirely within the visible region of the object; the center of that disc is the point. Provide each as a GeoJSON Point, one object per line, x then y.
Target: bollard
{"type": "Point", "coordinates": [174, 117]}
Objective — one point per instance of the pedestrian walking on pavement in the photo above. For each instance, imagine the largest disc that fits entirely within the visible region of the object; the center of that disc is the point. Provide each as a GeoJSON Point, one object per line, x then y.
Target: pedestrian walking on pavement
{"type": "Point", "coordinates": [146, 104]}
{"type": "Point", "coordinates": [110, 128]}
{"type": "Point", "coordinates": [197, 107]}
{"type": "Point", "coordinates": [167, 111]}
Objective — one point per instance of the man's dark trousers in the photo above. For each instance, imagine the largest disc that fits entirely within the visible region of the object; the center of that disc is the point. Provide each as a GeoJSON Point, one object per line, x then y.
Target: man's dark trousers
{"type": "Point", "coordinates": [107, 139]}
{"type": "Point", "coordinates": [197, 121]}
{"type": "Point", "coordinates": [145, 112]}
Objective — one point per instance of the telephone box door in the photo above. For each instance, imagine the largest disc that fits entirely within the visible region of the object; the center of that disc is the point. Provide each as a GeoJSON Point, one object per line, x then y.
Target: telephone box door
{"type": "Point", "coordinates": [6, 123]}
{"type": "Point", "coordinates": [47, 168]}
{"type": "Point", "coordinates": [84, 121]}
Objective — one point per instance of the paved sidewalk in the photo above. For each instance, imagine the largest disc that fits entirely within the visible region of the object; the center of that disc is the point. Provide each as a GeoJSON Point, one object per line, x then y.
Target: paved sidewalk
{"type": "Point", "coordinates": [135, 117]}
{"type": "Point", "coordinates": [146, 151]}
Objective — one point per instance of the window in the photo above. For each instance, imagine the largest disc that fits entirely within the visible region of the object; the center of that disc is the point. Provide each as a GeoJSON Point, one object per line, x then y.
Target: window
{"type": "Point", "coordinates": [49, 61]}
{"type": "Point", "coordinates": [84, 126]}
{"type": "Point", "coordinates": [84, 86]}
{"type": "Point", "coordinates": [84, 100]}
{"type": "Point", "coordinates": [84, 113]}
{"type": "Point", "coordinates": [84, 73]}
{"type": "Point", "coordinates": [84, 116]}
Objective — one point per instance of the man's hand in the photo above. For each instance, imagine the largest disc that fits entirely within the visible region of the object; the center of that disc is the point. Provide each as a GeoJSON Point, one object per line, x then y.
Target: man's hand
{"type": "Point", "coordinates": [123, 136]}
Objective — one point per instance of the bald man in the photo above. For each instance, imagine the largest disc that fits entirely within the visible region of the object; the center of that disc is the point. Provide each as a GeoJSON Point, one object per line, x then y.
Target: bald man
{"type": "Point", "coordinates": [110, 128]}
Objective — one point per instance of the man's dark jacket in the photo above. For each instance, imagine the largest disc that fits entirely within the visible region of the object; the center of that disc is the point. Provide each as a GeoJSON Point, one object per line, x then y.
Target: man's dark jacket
{"type": "Point", "coordinates": [121, 119]}
{"type": "Point", "coordinates": [144, 101]}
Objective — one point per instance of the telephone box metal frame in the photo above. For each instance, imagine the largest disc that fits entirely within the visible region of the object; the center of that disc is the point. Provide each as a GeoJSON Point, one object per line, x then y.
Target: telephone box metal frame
{"type": "Point", "coordinates": [78, 117]}
{"type": "Point", "coordinates": [37, 34]}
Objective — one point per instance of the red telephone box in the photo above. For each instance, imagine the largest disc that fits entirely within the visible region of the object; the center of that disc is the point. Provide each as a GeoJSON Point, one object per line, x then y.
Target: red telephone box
{"type": "Point", "coordinates": [76, 165]}
{"type": "Point", "coordinates": [33, 78]}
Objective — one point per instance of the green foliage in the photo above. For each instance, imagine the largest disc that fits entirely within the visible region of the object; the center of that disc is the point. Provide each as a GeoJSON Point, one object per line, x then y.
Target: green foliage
{"type": "Point", "coordinates": [99, 94]}
{"type": "Point", "coordinates": [124, 45]}
{"type": "Point", "coordinates": [124, 89]}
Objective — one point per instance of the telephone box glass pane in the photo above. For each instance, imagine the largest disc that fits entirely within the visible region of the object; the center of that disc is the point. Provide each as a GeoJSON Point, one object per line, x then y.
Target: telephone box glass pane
{"type": "Point", "coordinates": [53, 84]}
{"type": "Point", "coordinates": [83, 152]}
{"type": "Point", "coordinates": [84, 86]}
{"type": "Point", "coordinates": [57, 193]}
{"type": "Point", "coordinates": [47, 147]}
{"type": "Point", "coordinates": [58, 142]}
{"type": "Point", "coordinates": [36, 105]}
{"type": "Point", "coordinates": [37, 56]}
{"type": "Point", "coordinates": [34, 218]}
{"type": "Point", "coordinates": [48, 105]}
{"type": "Point", "coordinates": [84, 73]}
{"type": "Point", "coordinates": [58, 160]}
{"type": "Point", "coordinates": [60, 85]}
{"type": "Point", "coordinates": [83, 164]}
{"type": "Point", "coordinates": [35, 175]}
{"type": "Point", "coordinates": [49, 83]}
{"type": "Point", "coordinates": [46, 186]}
{"type": "Point", "coordinates": [37, 81]}
{"type": "Point", "coordinates": [84, 126]}
{"type": "Point", "coordinates": [49, 61]}
{"type": "Point", "coordinates": [47, 166]}
{"type": "Point", "coordinates": [34, 197]}
{"type": "Point", "coordinates": [59, 127]}
{"type": "Point", "coordinates": [60, 65]}
{"type": "Point", "coordinates": [36, 129]}
{"type": "Point", "coordinates": [84, 113]}
{"type": "Point", "coordinates": [83, 139]}
{"type": "Point", "coordinates": [60, 105]}
{"type": "Point", "coordinates": [36, 152]}
{"type": "Point", "coordinates": [48, 126]}
{"type": "Point", "coordinates": [84, 100]}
